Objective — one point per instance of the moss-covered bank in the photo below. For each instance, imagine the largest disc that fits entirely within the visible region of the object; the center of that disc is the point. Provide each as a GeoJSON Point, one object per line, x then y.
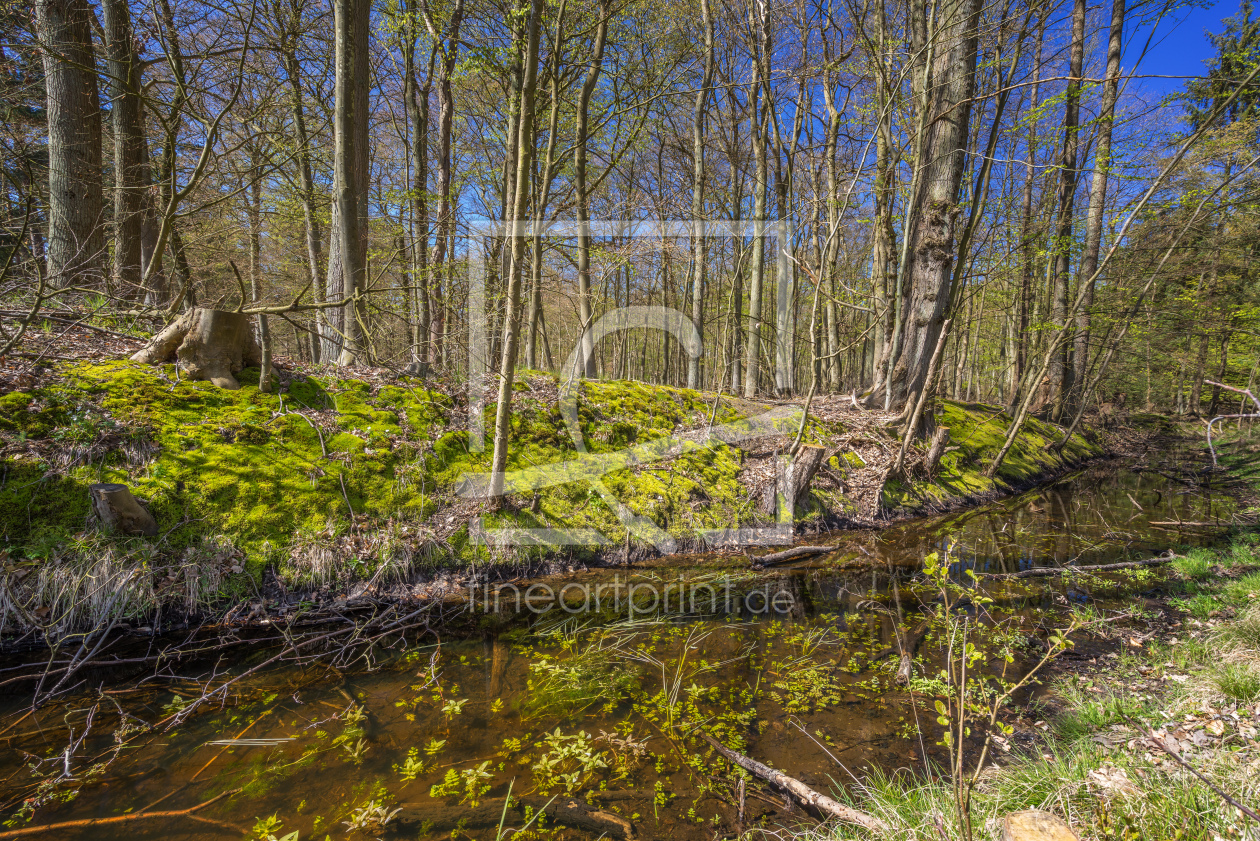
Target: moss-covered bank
{"type": "Point", "coordinates": [328, 478]}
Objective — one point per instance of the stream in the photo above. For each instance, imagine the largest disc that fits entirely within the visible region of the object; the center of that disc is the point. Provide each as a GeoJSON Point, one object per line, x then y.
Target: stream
{"type": "Point", "coordinates": [595, 682]}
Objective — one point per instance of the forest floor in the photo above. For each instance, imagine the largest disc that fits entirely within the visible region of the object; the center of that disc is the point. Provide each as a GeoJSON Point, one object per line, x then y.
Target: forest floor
{"type": "Point", "coordinates": [357, 482]}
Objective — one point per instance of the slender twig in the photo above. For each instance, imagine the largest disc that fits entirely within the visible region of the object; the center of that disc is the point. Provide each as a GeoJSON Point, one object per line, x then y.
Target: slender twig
{"type": "Point", "coordinates": [1152, 739]}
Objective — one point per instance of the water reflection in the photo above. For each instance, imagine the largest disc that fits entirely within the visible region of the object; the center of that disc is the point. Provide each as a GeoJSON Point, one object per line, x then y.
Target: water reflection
{"type": "Point", "coordinates": [601, 698]}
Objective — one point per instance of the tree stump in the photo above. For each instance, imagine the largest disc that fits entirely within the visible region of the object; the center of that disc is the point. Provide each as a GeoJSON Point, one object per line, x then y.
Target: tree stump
{"type": "Point", "coordinates": [116, 510]}
{"type": "Point", "coordinates": [936, 450]}
{"type": "Point", "coordinates": [207, 344]}
{"type": "Point", "coordinates": [793, 479]}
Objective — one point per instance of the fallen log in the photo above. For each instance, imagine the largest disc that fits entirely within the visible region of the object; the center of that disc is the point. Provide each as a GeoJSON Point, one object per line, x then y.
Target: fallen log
{"type": "Point", "coordinates": [776, 558]}
{"type": "Point", "coordinates": [803, 793]}
{"type": "Point", "coordinates": [1046, 572]}
{"type": "Point", "coordinates": [565, 810]}
{"type": "Point", "coordinates": [1193, 523]}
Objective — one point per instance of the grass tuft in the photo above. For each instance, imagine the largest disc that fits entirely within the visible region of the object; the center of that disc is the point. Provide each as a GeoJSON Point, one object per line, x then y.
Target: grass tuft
{"type": "Point", "coordinates": [1237, 681]}
{"type": "Point", "coordinates": [1196, 565]}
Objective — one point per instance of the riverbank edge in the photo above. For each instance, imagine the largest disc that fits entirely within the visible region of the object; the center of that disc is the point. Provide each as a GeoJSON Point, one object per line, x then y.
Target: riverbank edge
{"type": "Point", "coordinates": [127, 437]}
{"type": "Point", "coordinates": [1185, 675]}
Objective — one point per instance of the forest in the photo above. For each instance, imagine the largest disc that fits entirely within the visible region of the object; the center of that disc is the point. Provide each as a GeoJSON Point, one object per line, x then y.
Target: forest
{"type": "Point", "coordinates": [992, 178]}
{"type": "Point", "coordinates": [713, 420]}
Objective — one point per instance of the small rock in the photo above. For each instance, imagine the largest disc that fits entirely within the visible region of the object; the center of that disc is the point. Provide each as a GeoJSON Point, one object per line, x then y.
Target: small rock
{"type": "Point", "coordinates": [1035, 825]}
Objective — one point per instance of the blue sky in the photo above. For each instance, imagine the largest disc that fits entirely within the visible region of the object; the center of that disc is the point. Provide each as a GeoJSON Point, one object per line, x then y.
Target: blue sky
{"type": "Point", "coordinates": [1180, 45]}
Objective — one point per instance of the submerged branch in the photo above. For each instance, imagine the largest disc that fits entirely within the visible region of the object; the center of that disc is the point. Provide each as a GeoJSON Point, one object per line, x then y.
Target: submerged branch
{"type": "Point", "coordinates": [806, 795]}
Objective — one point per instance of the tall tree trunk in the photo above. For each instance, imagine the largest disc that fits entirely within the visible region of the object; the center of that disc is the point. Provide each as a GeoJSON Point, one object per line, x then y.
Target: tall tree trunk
{"type": "Point", "coordinates": [255, 263]}
{"type": "Point", "coordinates": [829, 252]}
{"type": "Point", "coordinates": [306, 179]}
{"type": "Point", "coordinates": [699, 245]}
{"type": "Point", "coordinates": [76, 236]}
{"type": "Point", "coordinates": [416, 100]}
{"type": "Point", "coordinates": [760, 104]}
{"type": "Point", "coordinates": [1061, 369]}
{"type": "Point", "coordinates": [350, 163]}
{"type": "Point", "coordinates": [585, 308]}
{"type": "Point", "coordinates": [1097, 200]}
{"type": "Point", "coordinates": [542, 196]}
{"type": "Point", "coordinates": [884, 256]}
{"type": "Point", "coordinates": [449, 49]}
{"type": "Point", "coordinates": [512, 319]}
{"type": "Point", "coordinates": [931, 252]}
{"type": "Point", "coordinates": [1027, 242]}
{"type": "Point", "coordinates": [131, 160]}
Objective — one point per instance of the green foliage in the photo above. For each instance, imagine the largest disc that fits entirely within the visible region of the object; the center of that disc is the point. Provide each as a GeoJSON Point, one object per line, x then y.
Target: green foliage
{"type": "Point", "coordinates": [1196, 565]}
{"type": "Point", "coordinates": [1238, 681]}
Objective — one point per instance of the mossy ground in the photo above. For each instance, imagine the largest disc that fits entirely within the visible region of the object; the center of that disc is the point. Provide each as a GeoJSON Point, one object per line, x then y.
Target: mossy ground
{"type": "Point", "coordinates": [978, 431]}
{"type": "Point", "coordinates": [269, 472]}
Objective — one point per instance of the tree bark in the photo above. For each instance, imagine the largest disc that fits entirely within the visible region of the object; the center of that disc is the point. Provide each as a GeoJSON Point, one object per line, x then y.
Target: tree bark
{"type": "Point", "coordinates": [1061, 373]}
{"type": "Point", "coordinates": [1027, 243]}
{"type": "Point", "coordinates": [445, 228]}
{"type": "Point", "coordinates": [350, 172]}
{"type": "Point", "coordinates": [1097, 199]}
{"type": "Point", "coordinates": [117, 511]}
{"type": "Point", "coordinates": [208, 344]}
{"type": "Point", "coordinates": [131, 160]}
{"type": "Point", "coordinates": [306, 180]}
{"type": "Point", "coordinates": [931, 250]}
{"type": "Point", "coordinates": [76, 238]}
{"type": "Point", "coordinates": [699, 245]}
{"type": "Point", "coordinates": [512, 318]}
{"type": "Point", "coordinates": [255, 266]}
{"type": "Point", "coordinates": [884, 262]}
{"type": "Point", "coordinates": [416, 100]}
{"type": "Point", "coordinates": [760, 105]}
{"type": "Point", "coordinates": [585, 307]}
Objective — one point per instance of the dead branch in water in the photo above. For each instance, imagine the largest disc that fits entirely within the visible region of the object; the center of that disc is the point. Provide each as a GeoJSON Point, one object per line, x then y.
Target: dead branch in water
{"type": "Point", "coordinates": [806, 795]}
{"type": "Point", "coordinates": [1045, 572]}
{"type": "Point", "coordinates": [776, 558]}
{"type": "Point", "coordinates": [1241, 416]}
{"type": "Point", "coordinates": [87, 823]}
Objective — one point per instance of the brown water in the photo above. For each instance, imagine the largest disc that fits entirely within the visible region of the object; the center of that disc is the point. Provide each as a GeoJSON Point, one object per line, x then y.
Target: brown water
{"type": "Point", "coordinates": [567, 702]}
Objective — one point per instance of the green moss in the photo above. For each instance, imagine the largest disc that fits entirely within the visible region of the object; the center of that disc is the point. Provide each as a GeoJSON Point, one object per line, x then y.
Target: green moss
{"type": "Point", "coordinates": [21, 413]}
{"type": "Point", "coordinates": [246, 465]}
{"type": "Point", "coordinates": [231, 462]}
{"type": "Point", "coordinates": [978, 431]}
